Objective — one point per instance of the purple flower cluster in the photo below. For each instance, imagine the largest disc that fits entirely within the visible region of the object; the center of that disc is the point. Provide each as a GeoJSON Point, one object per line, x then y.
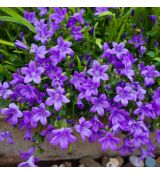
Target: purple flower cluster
{"type": "Point", "coordinates": [29, 158]}
{"type": "Point", "coordinates": [116, 88]}
{"type": "Point", "coordinates": [73, 24]}
{"type": "Point", "coordinates": [4, 91]}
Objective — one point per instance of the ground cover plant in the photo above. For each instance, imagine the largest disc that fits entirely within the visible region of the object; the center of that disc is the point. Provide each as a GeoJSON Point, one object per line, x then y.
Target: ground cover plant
{"type": "Point", "coordinates": [91, 71]}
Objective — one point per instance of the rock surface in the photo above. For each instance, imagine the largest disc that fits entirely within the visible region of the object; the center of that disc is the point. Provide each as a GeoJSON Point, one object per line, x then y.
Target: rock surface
{"type": "Point", "coordinates": [90, 162]}
{"type": "Point", "coordinates": [9, 154]}
{"type": "Point", "coordinates": [150, 162]}
{"type": "Point", "coordinates": [135, 161]}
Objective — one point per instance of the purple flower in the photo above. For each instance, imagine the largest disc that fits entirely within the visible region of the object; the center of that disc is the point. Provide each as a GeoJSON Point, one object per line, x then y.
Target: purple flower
{"type": "Point", "coordinates": [17, 78]}
{"type": "Point", "coordinates": [64, 47]}
{"type": "Point", "coordinates": [148, 73]}
{"type": "Point", "coordinates": [141, 139]}
{"type": "Point", "coordinates": [118, 117]}
{"type": "Point", "coordinates": [96, 124]}
{"type": "Point", "coordinates": [99, 104]}
{"type": "Point", "coordinates": [43, 10]}
{"type": "Point", "coordinates": [58, 79]}
{"type": "Point", "coordinates": [29, 163]}
{"type": "Point", "coordinates": [4, 91]}
{"type": "Point", "coordinates": [27, 121]}
{"type": "Point", "coordinates": [52, 70]}
{"type": "Point", "coordinates": [21, 45]}
{"type": "Point", "coordinates": [30, 16]}
{"type": "Point", "coordinates": [127, 146]}
{"type": "Point", "coordinates": [156, 101]}
{"type": "Point", "coordinates": [71, 22]}
{"type": "Point", "coordinates": [39, 51]}
{"type": "Point", "coordinates": [96, 135]}
{"type": "Point", "coordinates": [91, 87]}
{"type": "Point", "coordinates": [123, 95]}
{"type": "Point", "coordinates": [142, 50]}
{"type": "Point", "coordinates": [43, 33]}
{"type": "Point", "coordinates": [40, 114]}
{"type": "Point", "coordinates": [136, 127]}
{"type": "Point", "coordinates": [127, 71]}
{"type": "Point", "coordinates": [137, 40]}
{"type": "Point", "coordinates": [76, 32]}
{"type": "Point", "coordinates": [32, 73]}
{"type": "Point", "coordinates": [28, 154]}
{"type": "Point", "coordinates": [140, 91]}
{"type": "Point", "coordinates": [27, 93]}
{"type": "Point", "coordinates": [12, 113]}
{"type": "Point", "coordinates": [98, 71]}
{"type": "Point", "coordinates": [62, 137]}
{"type": "Point", "coordinates": [145, 153]}
{"type": "Point", "coordinates": [109, 141]}
{"type": "Point", "coordinates": [48, 132]}
{"type": "Point", "coordinates": [106, 50]}
{"type": "Point", "coordinates": [144, 110]}
{"type": "Point", "coordinates": [153, 18]}
{"type": "Point", "coordinates": [84, 128]}
{"type": "Point", "coordinates": [79, 16]}
{"type": "Point", "coordinates": [78, 79]}
{"type": "Point", "coordinates": [100, 10]}
{"type": "Point", "coordinates": [59, 14]}
{"type": "Point", "coordinates": [118, 49]}
{"type": "Point", "coordinates": [6, 135]}
{"type": "Point", "coordinates": [56, 98]}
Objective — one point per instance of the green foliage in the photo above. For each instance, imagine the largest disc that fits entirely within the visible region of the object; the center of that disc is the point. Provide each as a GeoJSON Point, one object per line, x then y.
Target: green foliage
{"type": "Point", "coordinates": [15, 17]}
{"type": "Point", "coordinates": [107, 27]}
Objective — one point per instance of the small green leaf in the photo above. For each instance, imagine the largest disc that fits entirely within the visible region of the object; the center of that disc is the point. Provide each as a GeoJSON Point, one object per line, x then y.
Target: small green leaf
{"type": "Point", "coordinates": [108, 13]}
{"type": "Point", "coordinates": [6, 43]}
{"type": "Point", "coordinates": [157, 59]}
{"type": "Point", "coordinates": [98, 42]}
{"type": "Point", "coordinates": [38, 138]}
{"type": "Point", "coordinates": [62, 112]}
{"type": "Point", "coordinates": [151, 54]}
{"type": "Point", "coordinates": [79, 63]}
{"type": "Point", "coordinates": [11, 68]}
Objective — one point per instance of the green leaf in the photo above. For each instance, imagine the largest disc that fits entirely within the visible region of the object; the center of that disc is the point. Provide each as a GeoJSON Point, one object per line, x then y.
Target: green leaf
{"type": "Point", "coordinates": [9, 67]}
{"type": "Point", "coordinates": [8, 19]}
{"type": "Point", "coordinates": [151, 54]}
{"type": "Point", "coordinates": [38, 138]}
{"type": "Point", "coordinates": [4, 52]}
{"type": "Point", "coordinates": [108, 13]}
{"type": "Point", "coordinates": [21, 9]}
{"type": "Point", "coordinates": [157, 59]}
{"type": "Point", "coordinates": [6, 43]}
{"type": "Point", "coordinates": [79, 63]}
{"type": "Point", "coordinates": [17, 18]}
{"type": "Point", "coordinates": [98, 42]}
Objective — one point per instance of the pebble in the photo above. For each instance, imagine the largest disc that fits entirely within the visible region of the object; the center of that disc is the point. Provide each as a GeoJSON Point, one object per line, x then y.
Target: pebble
{"type": "Point", "coordinates": [158, 161]}
{"type": "Point", "coordinates": [114, 162]}
{"type": "Point", "coordinates": [150, 162]}
{"type": "Point", "coordinates": [89, 162]}
{"type": "Point", "coordinates": [121, 161]}
{"type": "Point", "coordinates": [54, 165]}
{"type": "Point", "coordinates": [68, 164]}
{"type": "Point", "coordinates": [62, 165]}
{"type": "Point", "coordinates": [134, 160]}
{"type": "Point", "coordinates": [105, 160]}
{"type": "Point", "coordinates": [81, 165]}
